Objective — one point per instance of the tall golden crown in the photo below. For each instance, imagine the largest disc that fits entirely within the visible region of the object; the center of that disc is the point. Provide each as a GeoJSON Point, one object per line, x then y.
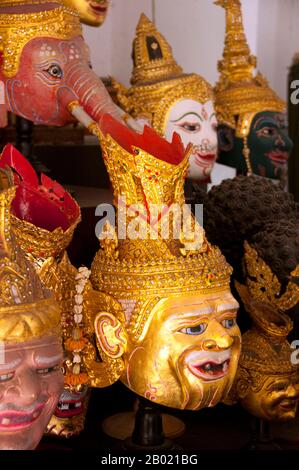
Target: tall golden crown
{"type": "Point", "coordinates": [152, 55]}
{"type": "Point", "coordinates": [139, 272]}
{"type": "Point", "coordinates": [21, 21]}
{"type": "Point", "coordinates": [157, 80]}
{"type": "Point", "coordinates": [264, 285]}
{"type": "Point", "coordinates": [239, 93]}
{"type": "Point", "coordinates": [27, 311]}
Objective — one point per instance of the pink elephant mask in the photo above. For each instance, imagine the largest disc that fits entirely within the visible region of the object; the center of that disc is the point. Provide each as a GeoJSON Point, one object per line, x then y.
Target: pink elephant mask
{"type": "Point", "coordinates": [45, 70]}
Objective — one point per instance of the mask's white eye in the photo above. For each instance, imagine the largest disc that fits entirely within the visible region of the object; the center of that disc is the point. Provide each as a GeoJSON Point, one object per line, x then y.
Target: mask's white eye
{"type": "Point", "coordinates": [55, 71]}
{"type": "Point", "coordinates": [191, 127]}
{"type": "Point", "coordinates": [267, 132]}
{"type": "Point", "coordinates": [6, 377]}
{"type": "Point", "coordinates": [48, 370]}
{"type": "Point", "coordinates": [228, 323]}
{"type": "Point", "coordinates": [195, 330]}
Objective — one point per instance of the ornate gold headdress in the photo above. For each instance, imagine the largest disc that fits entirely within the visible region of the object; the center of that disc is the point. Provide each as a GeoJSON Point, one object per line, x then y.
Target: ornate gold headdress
{"type": "Point", "coordinates": [27, 311]}
{"type": "Point", "coordinates": [21, 21]}
{"type": "Point", "coordinates": [238, 93]}
{"type": "Point", "coordinates": [158, 81]}
{"type": "Point", "coordinates": [265, 349]}
{"type": "Point", "coordinates": [264, 285]}
{"type": "Point", "coordinates": [139, 272]}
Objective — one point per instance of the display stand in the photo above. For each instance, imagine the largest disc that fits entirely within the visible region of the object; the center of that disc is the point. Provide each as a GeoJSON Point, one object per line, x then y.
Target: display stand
{"type": "Point", "coordinates": [24, 137]}
{"type": "Point", "coordinates": [148, 431]}
{"type": "Point", "coordinates": [24, 143]}
{"type": "Point", "coordinates": [121, 425]}
{"type": "Point", "coordinates": [261, 437]}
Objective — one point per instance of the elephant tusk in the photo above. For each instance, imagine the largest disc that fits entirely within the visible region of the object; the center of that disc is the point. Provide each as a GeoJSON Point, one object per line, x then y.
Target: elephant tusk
{"type": "Point", "coordinates": [78, 112]}
{"type": "Point", "coordinates": [130, 122]}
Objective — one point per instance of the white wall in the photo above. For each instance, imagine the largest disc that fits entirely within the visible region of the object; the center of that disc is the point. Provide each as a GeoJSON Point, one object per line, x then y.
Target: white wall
{"type": "Point", "coordinates": [99, 41]}
{"type": "Point", "coordinates": [278, 40]}
{"type": "Point", "coordinates": [126, 17]}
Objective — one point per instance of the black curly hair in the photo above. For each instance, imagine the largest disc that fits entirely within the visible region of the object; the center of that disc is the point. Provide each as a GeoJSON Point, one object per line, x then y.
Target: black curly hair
{"type": "Point", "coordinates": [250, 208]}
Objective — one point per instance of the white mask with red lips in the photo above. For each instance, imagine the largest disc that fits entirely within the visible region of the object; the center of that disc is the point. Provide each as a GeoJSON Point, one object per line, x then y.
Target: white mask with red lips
{"type": "Point", "coordinates": [196, 123]}
{"type": "Point", "coordinates": [31, 381]}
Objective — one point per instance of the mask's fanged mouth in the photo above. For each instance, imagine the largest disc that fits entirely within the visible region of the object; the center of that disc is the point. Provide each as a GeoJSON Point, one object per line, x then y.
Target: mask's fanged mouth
{"type": "Point", "coordinates": [10, 420]}
{"type": "Point", "coordinates": [69, 408]}
{"type": "Point", "coordinates": [288, 405]}
{"type": "Point", "coordinates": [211, 370]}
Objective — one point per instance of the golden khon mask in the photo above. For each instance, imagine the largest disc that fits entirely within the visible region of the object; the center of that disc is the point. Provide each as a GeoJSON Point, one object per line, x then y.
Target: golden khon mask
{"type": "Point", "coordinates": [166, 319]}
{"type": "Point", "coordinates": [267, 383]}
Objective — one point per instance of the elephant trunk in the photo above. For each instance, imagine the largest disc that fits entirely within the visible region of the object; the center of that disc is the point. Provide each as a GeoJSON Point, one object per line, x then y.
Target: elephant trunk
{"type": "Point", "coordinates": [91, 93]}
{"type": "Point", "coordinates": [87, 99]}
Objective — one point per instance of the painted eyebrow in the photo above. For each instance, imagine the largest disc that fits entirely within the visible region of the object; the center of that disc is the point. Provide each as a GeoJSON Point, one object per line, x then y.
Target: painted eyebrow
{"type": "Point", "coordinates": [48, 61]}
{"type": "Point", "coordinates": [212, 115]}
{"type": "Point", "coordinates": [198, 305]}
{"type": "Point", "coordinates": [48, 360]}
{"type": "Point", "coordinates": [10, 365]}
{"type": "Point", "coordinates": [178, 314]}
{"type": "Point", "coordinates": [272, 121]}
{"type": "Point", "coordinates": [200, 311]}
{"type": "Point", "coordinates": [188, 114]}
{"type": "Point", "coordinates": [225, 307]}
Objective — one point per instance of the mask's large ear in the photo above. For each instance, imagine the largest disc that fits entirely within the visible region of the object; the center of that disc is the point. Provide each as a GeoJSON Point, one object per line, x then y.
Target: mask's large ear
{"type": "Point", "coordinates": [3, 110]}
{"type": "Point", "coordinates": [111, 335]}
{"type": "Point", "coordinates": [102, 356]}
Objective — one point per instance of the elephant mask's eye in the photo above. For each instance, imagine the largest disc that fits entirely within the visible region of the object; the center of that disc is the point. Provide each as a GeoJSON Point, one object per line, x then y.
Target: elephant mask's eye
{"type": "Point", "coordinates": [55, 71]}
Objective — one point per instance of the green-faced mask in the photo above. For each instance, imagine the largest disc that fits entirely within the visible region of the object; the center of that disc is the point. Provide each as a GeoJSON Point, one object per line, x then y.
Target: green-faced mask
{"type": "Point", "coordinates": [268, 144]}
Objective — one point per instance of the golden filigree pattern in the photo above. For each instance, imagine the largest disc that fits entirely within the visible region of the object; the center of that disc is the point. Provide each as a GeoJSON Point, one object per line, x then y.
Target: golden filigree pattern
{"type": "Point", "coordinates": [16, 30]}
{"type": "Point", "coordinates": [145, 69]}
{"type": "Point", "coordinates": [39, 243]}
{"type": "Point", "coordinates": [265, 361]}
{"type": "Point", "coordinates": [264, 285]}
{"type": "Point", "coordinates": [27, 311]}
